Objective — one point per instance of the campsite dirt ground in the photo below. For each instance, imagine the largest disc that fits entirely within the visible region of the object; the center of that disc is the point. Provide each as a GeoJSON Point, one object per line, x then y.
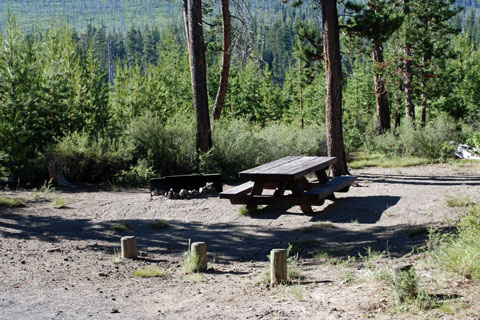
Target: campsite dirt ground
{"type": "Point", "coordinates": [61, 263]}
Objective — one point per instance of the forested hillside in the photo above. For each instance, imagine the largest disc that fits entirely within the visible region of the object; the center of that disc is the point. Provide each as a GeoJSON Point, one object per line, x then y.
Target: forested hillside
{"type": "Point", "coordinates": [107, 96]}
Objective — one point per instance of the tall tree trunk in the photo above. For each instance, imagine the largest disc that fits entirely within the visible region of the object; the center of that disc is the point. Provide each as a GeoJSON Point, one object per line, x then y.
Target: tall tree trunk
{"type": "Point", "coordinates": [423, 93]}
{"type": "Point", "coordinates": [383, 109]}
{"type": "Point", "coordinates": [333, 87]}
{"type": "Point", "coordinates": [198, 71]}
{"type": "Point", "coordinates": [407, 72]}
{"type": "Point", "coordinates": [300, 91]}
{"type": "Point", "coordinates": [226, 49]}
{"type": "Point", "coordinates": [423, 104]}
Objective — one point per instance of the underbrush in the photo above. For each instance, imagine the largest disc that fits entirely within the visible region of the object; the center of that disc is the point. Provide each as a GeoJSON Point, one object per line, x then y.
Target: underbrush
{"type": "Point", "coordinates": [150, 147]}
{"type": "Point", "coordinates": [435, 142]}
{"type": "Point", "coordinates": [459, 252]}
{"type": "Point", "coordinates": [239, 145]}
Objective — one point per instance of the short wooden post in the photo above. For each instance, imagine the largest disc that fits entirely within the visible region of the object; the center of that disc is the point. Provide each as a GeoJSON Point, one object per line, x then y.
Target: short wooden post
{"type": "Point", "coordinates": [199, 250]}
{"type": "Point", "coordinates": [278, 266]}
{"type": "Point", "coordinates": [405, 282]}
{"type": "Point", "coordinates": [129, 247]}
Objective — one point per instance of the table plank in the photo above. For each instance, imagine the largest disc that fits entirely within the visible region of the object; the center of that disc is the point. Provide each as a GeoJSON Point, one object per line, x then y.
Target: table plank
{"type": "Point", "coordinates": [270, 165]}
{"type": "Point", "coordinates": [288, 168]}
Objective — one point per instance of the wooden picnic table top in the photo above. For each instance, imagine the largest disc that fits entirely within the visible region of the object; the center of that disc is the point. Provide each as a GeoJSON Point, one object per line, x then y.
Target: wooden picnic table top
{"type": "Point", "coordinates": [287, 169]}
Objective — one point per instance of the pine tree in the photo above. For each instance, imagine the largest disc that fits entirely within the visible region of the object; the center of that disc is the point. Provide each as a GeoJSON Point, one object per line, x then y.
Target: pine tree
{"type": "Point", "coordinates": [430, 33]}
{"type": "Point", "coordinates": [376, 21]}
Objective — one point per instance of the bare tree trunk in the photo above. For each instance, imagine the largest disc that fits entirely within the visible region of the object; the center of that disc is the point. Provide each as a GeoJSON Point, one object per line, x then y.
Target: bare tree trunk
{"type": "Point", "coordinates": [333, 87]}
{"type": "Point", "coordinates": [423, 105]}
{"type": "Point", "coordinates": [423, 95]}
{"type": "Point", "coordinates": [226, 49]}
{"type": "Point", "coordinates": [407, 72]}
{"type": "Point", "coordinates": [300, 88]}
{"type": "Point", "coordinates": [198, 71]}
{"type": "Point", "coordinates": [383, 108]}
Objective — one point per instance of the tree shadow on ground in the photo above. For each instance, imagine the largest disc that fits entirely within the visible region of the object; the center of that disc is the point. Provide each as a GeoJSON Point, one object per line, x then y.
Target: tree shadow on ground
{"type": "Point", "coordinates": [226, 242]}
{"type": "Point", "coordinates": [420, 180]}
{"type": "Point", "coordinates": [363, 210]}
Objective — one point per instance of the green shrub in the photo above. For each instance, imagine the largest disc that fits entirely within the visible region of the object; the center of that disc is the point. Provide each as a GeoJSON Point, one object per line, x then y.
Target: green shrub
{"type": "Point", "coordinates": [149, 272]}
{"type": "Point", "coordinates": [474, 141]}
{"type": "Point", "coordinates": [148, 147]}
{"type": "Point", "coordinates": [435, 141]}
{"type": "Point", "coordinates": [459, 252]}
{"type": "Point", "coordinates": [137, 175]}
{"type": "Point", "coordinates": [167, 148]}
{"type": "Point", "coordinates": [84, 158]}
{"type": "Point", "coordinates": [121, 226]}
{"type": "Point", "coordinates": [10, 202]}
{"type": "Point", "coordinates": [239, 145]}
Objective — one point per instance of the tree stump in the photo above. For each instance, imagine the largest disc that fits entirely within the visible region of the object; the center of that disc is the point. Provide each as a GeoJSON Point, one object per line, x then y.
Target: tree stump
{"type": "Point", "coordinates": [278, 266]}
{"type": "Point", "coordinates": [199, 250]}
{"type": "Point", "coordinates": [405, 282]}
{"type": "Point", "coordinates": [129, 247]}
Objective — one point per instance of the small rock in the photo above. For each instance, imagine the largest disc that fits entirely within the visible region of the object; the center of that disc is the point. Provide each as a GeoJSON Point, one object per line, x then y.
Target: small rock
{"type": "Point", "coordinates": [183, 193]}
{"type": "Point", "coordinates": [114, 311]}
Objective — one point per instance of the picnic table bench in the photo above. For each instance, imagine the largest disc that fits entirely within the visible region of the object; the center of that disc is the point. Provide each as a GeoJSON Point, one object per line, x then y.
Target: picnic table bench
{"type": "Point", "coordinates": [289, 173]}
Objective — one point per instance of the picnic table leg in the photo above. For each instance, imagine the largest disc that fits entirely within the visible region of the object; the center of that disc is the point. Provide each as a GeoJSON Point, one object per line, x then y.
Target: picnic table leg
{"type": "Point", "coordinates": [281, 189]}
{"type": "Point", "coordinates": [297, 189]}
{"type": "Point", "coordinates": [256, 190]}
{"type": "Point", "coordinates": [323, 178]}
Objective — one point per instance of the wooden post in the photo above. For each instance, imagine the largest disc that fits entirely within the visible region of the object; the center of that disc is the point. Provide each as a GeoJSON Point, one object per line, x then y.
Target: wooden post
{"type": "Point", "coordinates": [278, 266]}
{"type": "Point", "coordinates": [405, 282]}
{"type": "Point", "coordinates": [199, 249]}
{"type": "Point", "coordinates": [129, 247]}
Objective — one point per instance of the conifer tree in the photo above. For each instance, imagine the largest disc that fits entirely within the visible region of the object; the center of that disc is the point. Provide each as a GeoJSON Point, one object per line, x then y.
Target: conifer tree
{"type": "Point", "coordinates": [430, 33]}
{"type": "Point", "coordinates": [376, 20]}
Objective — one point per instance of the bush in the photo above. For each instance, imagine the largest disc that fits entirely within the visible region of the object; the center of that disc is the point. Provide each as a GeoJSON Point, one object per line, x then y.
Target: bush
{"type": "Point", "coordinates": [84, 158]}
{"type": "Point", "coordinates": [239, 145]}
{"type": "Point", "coordinates": [148, 147]}
{"type": "Point", "coordinates": [168, 148]}
{"type": "Point", "coordinates": [459, 252]}
{"type": "Point", "coordinates": [435, 141]}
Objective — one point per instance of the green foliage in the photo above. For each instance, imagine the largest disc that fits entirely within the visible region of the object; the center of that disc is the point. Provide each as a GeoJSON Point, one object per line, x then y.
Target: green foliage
{"type": "Point", "coordinates": [85, 158]}
{"type": "Point", "coordinates": [460, 201]}
{"type": "Point", "coordinates": [149, 272]}
{"type": "Point", "coordinates": [121, 226]}
{"type": "Point", "coordinates": [167, 147]}
{"type": "Point", "coordinates": [434, 141]}
{"type": "Point", "coordinates": [58, 203]}
{"type": "Point", "coordinates": [239, 145]}
{"type": "Point", "coordinates": [458, 252]}
{"type": "Point", "coordinates": [248, 211]}
{"type": "Point", "coordinates": [474, 141]}
{"type": "Point", "coordinates": [11, 202]}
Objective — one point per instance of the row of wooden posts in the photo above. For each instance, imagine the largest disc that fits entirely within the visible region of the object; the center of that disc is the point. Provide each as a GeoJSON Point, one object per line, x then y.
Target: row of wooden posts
{"type": "Point", "coordinates": [278, 266]}
{"type": "Point", "coordinates": [278, 258]}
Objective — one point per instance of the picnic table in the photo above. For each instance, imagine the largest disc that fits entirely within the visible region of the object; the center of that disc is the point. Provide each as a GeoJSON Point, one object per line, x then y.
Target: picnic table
{"type": "Point", "coordinates": [289, 173]}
